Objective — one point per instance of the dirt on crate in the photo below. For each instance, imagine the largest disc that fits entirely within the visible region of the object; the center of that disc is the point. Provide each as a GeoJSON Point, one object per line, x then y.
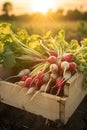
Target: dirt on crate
{"type": "Point", "coordinates": [15, 119]}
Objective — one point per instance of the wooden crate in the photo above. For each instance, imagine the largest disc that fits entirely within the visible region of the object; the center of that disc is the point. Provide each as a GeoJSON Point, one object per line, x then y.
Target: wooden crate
{"type": "Point", "coordinates": [49, 106]}
{"type": "Point", "coordinates": [6, 72]}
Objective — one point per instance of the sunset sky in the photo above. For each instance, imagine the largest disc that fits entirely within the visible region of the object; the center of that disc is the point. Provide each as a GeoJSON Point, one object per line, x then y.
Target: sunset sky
{"type": "Point", "coordinates": [29, 6]}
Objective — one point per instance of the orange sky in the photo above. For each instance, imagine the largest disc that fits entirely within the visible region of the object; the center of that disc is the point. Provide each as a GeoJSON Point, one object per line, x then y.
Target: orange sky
{"type": "Point", "coordinates": [29, 6]}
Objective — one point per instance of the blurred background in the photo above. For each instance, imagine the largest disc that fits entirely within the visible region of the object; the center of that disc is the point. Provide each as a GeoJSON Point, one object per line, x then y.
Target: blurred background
{"type": "Point", "coordinates": [40, 16]}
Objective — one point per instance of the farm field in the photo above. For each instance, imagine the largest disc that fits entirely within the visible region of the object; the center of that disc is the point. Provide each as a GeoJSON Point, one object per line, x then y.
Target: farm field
{"type": "Point", "coordinates": [73, 29]}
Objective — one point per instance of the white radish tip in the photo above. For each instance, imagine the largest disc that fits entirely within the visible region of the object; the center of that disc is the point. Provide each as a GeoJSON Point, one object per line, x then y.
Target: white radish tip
{"type": "Point", "coordinates": [54, 76]}
{"type": "Point", "coordinates": [31, 90]}
{"type": "Point", "coordinates": [65, 65]}
{"type": "Point", "coordinates": [53, 67]}
{"type": "Point", "coordinates": [24, 72]}
{"type": "Point", "coordinates": [46, 77]}
{"type": "Point", "coordinates": [67, 75]}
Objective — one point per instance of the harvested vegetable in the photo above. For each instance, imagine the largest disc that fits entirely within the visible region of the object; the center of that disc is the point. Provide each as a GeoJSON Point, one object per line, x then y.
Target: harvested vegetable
{"type": "Point", "coordinates": [53, 68]}
{"type": "Point", "coordinates": [53, 53]}
{"type": "Point", "coordinates": [64, 66]}
{"type": "Point", "coordinates": [20, 74]}
{"type": "Point", "coordinates": [73, 66]}
{"type": "Point", "coordinates": [53, 77]}
{"type": "Point", "coordinates": [28, 81]}
{"type": "Point", "coordinates": [67, 75]}
{"type": "Point", "coordinates": [51, 60]}
{"type": "Point", "coordinates": [23, 78]}
{"type": "Point", "coordinates": [68, 57]}
{"type": "Point", "coordinates": [60, 82]}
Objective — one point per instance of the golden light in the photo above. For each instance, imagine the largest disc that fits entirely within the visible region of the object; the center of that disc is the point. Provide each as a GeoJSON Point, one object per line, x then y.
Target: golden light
{"type": "Point", "coordinates": [42, 5]}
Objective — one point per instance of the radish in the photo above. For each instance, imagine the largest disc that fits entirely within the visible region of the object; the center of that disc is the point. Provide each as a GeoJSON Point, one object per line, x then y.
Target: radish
{"type": "Point", "coordinates": [53, 53]}
{"type": "Point", "coordinates": [46, 77]}
{"type": "Point", "coordinates": [53, 77]}
{"type": "Point", "coordinates": [36, 82]}
{"type": "Point", "coordinates": [19, 75]}
{"type": "Point", "coordinates": [38, 79]}
{"type": "Point", "coordinates": [67, 57]}
{"type": "Point", "coordinates": [23, 72]}
{"type": "Point", "coordinates": [48, 87]}
{"type": "Point", "coordinates": [30, 90]}
{"type": "Point", "coordinates": [40, 74]}
{"type": "Point", "coordinates": [42, 89]}
{"type": "Point", "coordinates": [64, 66]}
{"type": "Point", "coordinates": [67, 75]}
{"type": "Point", "coordinates": [27, 82]}
{"type": "Point", "coordinates": [51, 59]}
{"type": "Point", "coordinates": [23, 78]}
{"type": "Point", "coordinates": [53, 68]}
{"type": "Point", "coordinates": [73, 66]}
{"type": "Point", "coordinates": [35, 87]}
{"type": "Point", "coordinates": [60, 82]}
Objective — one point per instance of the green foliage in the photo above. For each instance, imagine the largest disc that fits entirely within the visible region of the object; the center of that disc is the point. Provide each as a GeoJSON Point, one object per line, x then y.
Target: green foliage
{"type": "Point", "coordinates": [8, 57]}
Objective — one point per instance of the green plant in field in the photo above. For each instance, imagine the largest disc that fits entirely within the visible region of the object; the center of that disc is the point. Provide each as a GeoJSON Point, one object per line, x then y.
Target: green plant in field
{"type": "Point", "coordinates": [82, 30]}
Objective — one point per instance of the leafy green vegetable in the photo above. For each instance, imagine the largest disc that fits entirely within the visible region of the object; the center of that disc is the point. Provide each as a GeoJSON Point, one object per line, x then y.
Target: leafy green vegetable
{"type": "Point", "coordinates": [8, 58]}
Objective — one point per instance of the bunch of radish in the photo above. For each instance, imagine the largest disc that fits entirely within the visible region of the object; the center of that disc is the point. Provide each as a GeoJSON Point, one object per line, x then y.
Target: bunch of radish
{"type": "Point", "coordinates": [59, 71]}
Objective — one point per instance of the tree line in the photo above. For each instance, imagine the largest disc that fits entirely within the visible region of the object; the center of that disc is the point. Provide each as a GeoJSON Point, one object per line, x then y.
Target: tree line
{"type": "Point", "coordinates": [57, 15]}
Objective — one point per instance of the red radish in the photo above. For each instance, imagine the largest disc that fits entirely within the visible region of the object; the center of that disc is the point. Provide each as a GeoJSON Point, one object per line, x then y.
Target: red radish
{"type": "Point", "coordinates": [60, 82]}
{"type": "Point", "coordinates": [51, 59]}
{"type": "Point", "coordinates": [67, 57]}
{"type": "Point", "coordinates": [73, 66]}
{"type": "Point", "coordinates": [65, 66]}
{"type": "Point", "coordinates": [40, 74]}
{"type": "Point", "coordinates": [42, 89]}
{"type": "Point", "coordinates": [37, 79]}
{"type": "Point", "coordinates": [53, 53]}
{"type": "Point", "coordinates": [38, 83]}
{"type": "Point", "coordinates": [23, 78]}
{"type": "Point", "coordinates": [27, 82]}
{"type": "Point", "coordinates": [35, 86]}
{"type": "Point", "coordinates": [53, 68]}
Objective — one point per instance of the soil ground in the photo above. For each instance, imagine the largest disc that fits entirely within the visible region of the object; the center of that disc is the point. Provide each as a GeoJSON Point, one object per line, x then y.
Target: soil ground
{"type": "Point", "coordinates": [15, 119]}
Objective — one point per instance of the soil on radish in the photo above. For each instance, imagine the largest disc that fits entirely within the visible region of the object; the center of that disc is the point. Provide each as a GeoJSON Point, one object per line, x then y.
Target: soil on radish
{"type": "Point", "coordinates": [15, 119]}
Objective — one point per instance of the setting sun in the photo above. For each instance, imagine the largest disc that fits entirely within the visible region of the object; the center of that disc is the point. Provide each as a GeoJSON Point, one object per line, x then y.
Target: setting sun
{"type": "Point", "coordinates": [42, 6]}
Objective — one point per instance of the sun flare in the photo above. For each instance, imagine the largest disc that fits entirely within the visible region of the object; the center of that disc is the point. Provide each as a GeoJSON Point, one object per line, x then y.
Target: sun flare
{"type": "Point", "coordinates": [41, 5]}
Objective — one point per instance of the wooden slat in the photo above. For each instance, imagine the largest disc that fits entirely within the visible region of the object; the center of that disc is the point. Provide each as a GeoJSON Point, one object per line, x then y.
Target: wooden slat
{"type": "Point", "coordinates": [6, 72]}
{"type": "Point", "coordinates": [76, 95]}
{"type": "Point", "coordinates": [49, 106]}
{"type": "Point", "coordinates": [43, 104]}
